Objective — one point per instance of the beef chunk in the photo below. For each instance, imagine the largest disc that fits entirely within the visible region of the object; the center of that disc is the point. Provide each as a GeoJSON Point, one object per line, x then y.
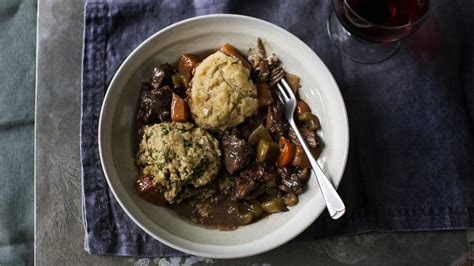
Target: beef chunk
{"type": "Point", "coordinates": [284, 172]}
{"type": "Point", "coordinates": [276, 123]}
{"type": "Point", "coordinates": [161, 76]}
{"type": "Point", "coordinates": [154, 104]}
{"type": "Point", "coordinates": [255, 193]}
{"type": "Point", "coordinates": [254, 172]}
{"type": "Point", "coordinates": [270, 177]}
{"type": "Point", "coordinates": [310, 137]}
{"type": "Point", "coordinates": [242, 187]}
{"type": "Point", "coordinates": [277, 74]}
{"type": "Point", "coordinates": [289, 181]}
{"type": "Point", "coordinates": [237, 153]}
{"type": "Point", "coordinates": [303, 174]}
{"type": "Point", "coordinates": [245, 129]}
{"type": "Point", "coordinates": [251, 182]}
{"type": "Point", "coordinates": [264, 71]}
{"type": "Point", "coordinates": [261, 47]}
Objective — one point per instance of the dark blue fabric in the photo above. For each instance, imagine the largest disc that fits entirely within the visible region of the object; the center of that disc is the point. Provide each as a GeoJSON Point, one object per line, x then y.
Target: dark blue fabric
{"type": "Point", "coordinates": [410, 164]}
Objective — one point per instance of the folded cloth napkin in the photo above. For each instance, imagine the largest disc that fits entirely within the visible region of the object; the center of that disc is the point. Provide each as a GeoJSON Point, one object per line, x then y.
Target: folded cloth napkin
{"type": "Point", "coordinates": [410, 164]}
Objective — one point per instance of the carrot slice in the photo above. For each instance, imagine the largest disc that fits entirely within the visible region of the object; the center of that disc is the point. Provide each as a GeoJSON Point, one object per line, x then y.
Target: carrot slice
{"type": "Point", "coordinates": [231, 51]}
{"type": "Point", "coordinates": [287, 152]}
{"type": "Point", "coordinates": [147, 191]}
{"type": "Point", "coordinates": [179, 109]}
{"type": "Point", "coordinates": [187, 64]}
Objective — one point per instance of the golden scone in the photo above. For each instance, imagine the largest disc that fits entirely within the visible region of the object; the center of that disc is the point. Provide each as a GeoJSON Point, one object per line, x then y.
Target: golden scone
{"type": "Point", "coordinates": [222, 94]}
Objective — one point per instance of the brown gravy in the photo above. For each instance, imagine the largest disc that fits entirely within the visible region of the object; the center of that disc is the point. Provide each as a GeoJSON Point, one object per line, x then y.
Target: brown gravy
{"type": "Point", "coordinates": [213, 212]}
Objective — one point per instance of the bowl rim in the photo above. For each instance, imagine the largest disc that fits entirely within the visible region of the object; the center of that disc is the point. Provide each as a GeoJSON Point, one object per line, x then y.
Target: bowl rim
{"type": "Point", "coordinates": [236, 254]}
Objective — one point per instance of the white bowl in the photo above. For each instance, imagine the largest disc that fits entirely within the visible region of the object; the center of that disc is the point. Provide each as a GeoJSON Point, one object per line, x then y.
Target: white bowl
{"type": "Point", "coordinates": [116, 141]}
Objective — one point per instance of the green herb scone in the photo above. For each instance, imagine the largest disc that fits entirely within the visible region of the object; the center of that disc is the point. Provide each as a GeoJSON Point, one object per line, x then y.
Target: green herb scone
{"type": "Point", "coordinates": [178, 156]}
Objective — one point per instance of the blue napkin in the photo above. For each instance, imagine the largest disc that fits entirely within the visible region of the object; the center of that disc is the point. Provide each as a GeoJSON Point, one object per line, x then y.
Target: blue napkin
{"type": "Point", "coordinates": [410, 164]}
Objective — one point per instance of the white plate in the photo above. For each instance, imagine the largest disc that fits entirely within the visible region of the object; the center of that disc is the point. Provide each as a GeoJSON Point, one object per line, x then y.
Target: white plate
{"type": "Point", "coordinates": [116, 141]}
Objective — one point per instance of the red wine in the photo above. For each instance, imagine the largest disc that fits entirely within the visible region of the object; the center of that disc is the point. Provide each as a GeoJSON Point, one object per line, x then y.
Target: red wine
{"type": "Point", "coordinates": [381, 20]}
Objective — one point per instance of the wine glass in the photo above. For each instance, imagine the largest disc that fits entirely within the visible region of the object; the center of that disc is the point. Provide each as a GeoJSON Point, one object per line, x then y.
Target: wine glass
{"type": "Point", "coordinates": [369, 31]}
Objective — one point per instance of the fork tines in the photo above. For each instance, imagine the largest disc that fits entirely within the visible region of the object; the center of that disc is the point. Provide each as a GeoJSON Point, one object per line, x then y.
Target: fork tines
{"type": "Point", "coordinates": [285, 93]}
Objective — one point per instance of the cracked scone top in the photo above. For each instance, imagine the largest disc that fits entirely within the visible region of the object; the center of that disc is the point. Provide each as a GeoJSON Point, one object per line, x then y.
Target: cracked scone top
{"type": "Point", "coordinates": [222, 94]}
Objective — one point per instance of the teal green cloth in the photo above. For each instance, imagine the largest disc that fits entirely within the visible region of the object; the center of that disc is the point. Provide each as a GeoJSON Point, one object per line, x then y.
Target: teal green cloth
{"type": "Point", "coordinates": [17, 107]}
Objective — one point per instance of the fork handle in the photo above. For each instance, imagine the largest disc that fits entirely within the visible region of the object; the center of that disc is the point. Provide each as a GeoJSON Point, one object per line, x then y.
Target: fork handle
{"type": "Point", "coordinates": [334, 203]}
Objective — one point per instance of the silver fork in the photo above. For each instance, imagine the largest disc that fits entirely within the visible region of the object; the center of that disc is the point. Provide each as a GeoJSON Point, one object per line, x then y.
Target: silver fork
{"type": "Point", "coordinates": [334, 203]}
